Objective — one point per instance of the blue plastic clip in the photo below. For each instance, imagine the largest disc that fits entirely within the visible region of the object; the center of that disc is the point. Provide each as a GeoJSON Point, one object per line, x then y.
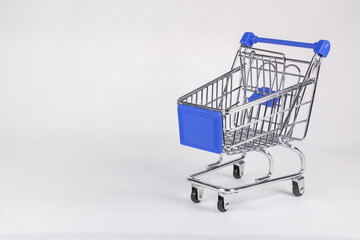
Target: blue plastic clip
{"type": "Point", "coordinates": [261, 94]}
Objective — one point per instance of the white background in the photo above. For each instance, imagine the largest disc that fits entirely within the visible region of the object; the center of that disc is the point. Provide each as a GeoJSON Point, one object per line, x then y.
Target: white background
{"type": "Point", "coordinates": [89, 144]}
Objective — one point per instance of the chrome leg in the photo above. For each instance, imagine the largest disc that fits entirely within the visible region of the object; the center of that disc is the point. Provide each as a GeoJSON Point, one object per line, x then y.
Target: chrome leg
{"type": "Point", "coordinates": [298, 183]}
{"type": "Point", "coordinates": [216, 163]}
{"type": "Point", "coordinates": [271, 166]}
{"type": "Point", "coordinates": [217, 166]}
{"type": "Point", "coordinates": [299, 153]}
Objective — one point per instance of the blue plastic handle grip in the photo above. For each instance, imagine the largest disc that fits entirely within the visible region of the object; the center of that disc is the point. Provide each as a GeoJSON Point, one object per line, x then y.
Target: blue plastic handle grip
{"type": "Point", "coordinates": [321, 47]}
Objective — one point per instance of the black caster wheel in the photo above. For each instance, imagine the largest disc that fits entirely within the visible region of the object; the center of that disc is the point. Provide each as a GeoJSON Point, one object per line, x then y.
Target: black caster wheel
{"type": "Point", "coordinates": [298, 187]}
{"type": "Point", "coordinates": [222, 205]}
{"type": "Point", "coordinates": [196, 194]}
{"type": "Point", "coordinates": [238, 170]}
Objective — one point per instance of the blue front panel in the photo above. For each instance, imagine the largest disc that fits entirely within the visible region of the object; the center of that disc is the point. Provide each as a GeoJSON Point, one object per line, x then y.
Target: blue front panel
{"type": "Point", "coordinates": [200, 128]}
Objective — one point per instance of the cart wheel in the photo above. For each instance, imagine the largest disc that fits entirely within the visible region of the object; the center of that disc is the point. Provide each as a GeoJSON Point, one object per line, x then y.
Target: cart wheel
{"type": "Point", "coordinates": [238, 170]}
{"type": "Point", "coordinates": [298, 187]}
{"type": "Point", "coordinates": [196, 194]}
{"type": "Point", "coordinates": [222, 205]}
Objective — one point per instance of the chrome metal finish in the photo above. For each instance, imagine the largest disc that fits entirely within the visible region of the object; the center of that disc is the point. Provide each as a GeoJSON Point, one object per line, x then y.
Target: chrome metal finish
{"type": "Point", "coordinates": [233, 190]}
{"type": "Point", "coordinates": [299, 153]}
{"type": "Point", "coordinates": [271, 166]}
{"type": "Point", "coordinates": [259, 181]}
{"type": "Point", "coordinates": [281, 116]}
{"type": "Point", "coordinates": [218, 162]}
{"type": "Point", "coordinates": [262, 123]}
{"type": "Point", "coordinates": [208, 170]}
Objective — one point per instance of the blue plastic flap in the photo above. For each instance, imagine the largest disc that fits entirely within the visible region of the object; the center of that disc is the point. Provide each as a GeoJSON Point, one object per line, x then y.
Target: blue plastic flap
{"type": "Point", "coordinates": [255, 96]}
{"type": "Point", "coordinates": [200, 128]}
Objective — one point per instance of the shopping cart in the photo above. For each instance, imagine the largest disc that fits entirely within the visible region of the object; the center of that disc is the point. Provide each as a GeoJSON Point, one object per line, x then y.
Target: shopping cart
{"type": "Point", "coordinates": [265, 100]}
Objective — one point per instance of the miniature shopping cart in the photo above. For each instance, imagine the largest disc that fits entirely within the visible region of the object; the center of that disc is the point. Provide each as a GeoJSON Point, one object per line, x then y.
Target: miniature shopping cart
{"type": "Point", "coordinates": [265, 100]}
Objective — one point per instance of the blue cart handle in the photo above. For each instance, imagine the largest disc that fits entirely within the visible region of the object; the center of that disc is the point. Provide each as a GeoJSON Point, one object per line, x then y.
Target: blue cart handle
{"type": "Point", "coordinates": [321, 47]}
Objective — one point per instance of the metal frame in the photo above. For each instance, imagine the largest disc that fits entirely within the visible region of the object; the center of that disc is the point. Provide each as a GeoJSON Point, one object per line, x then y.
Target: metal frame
{"type": "Point", "coordinates": [196, 182]}
{"type": "Point", "coordinates": [265, 122]}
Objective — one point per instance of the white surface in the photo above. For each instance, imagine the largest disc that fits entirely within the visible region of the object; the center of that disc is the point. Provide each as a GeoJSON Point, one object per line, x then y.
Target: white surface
{"type": "Point", "coordinates": [88, 128]}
